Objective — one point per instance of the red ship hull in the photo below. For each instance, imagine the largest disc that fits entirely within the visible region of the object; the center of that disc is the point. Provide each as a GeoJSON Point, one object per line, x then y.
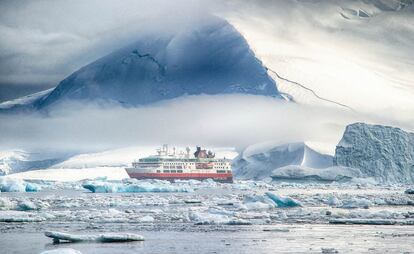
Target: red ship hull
{"type": "Point", "coordinates": [224, 177]}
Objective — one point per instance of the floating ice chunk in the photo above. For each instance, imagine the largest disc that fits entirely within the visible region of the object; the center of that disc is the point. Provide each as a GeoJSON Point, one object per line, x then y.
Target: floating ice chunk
{"type": "Point", "coordinates": [6, 204]}
{"type": "Point", "coordinates": [26, 205]}
{"type": "Point", "coordinates": [334, 201]}
{"type": "Point", "coordinates": [134, 186]}
{"type": "Point", "coordinates": [206, 218]}
{"type": "Point", "coordinates": [19, 216]}
{"type": "Point", "coordinates": [17, 185]}
{"type": "Point", "coordinates": [111, 237]}
{"type": "Point", "coordinates": [283, 201]}
{"type": "Point", "coordinates": [239, 222]}
{"type": "Point", "coordinates": [254, 202]}
{"type": "Point", "coordinates": [409, 191]}
{"type": "Point", "coordinates": [147, 218]}
{"type": "Point", "coordinates": [356, 203]}
{"type": "Point", "coordinates": [62, 251]}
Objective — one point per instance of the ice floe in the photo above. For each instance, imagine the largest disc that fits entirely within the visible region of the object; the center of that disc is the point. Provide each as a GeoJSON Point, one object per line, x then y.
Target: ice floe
{"type": "Point", "coordinates": [62, 251]}
{"type": "Point", "coordinates": [135, 186]}
{"type": "Point", "coordinates": [110, 237]}
{"type": "Point", "coordinates": [283, 201]}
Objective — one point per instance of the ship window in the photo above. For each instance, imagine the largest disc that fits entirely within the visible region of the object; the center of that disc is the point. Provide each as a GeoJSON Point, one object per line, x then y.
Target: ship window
{"type": "Point", "coordinates": [228, 171]}
{"type": "Point", "coordinates": [221, 171]}
{"type": "Point", "coordinates": [166, 171]}
{"type": "Point", "coordinates": [173, 171]}
{"type": "Point", "coordinates": [158, 171]}
{"type": "Point", "coordinates": [179, 171]}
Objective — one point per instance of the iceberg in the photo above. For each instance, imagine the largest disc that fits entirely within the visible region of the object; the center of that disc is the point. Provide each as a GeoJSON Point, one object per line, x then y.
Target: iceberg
{"type": "Point", "coordinates": [104, 238]}
{"type": "Point", "coordinates": [134, 186]}
{"type": "Point", "coordinates": [382, 152]}
{"type": "Point", "coordinates": [283, 201]}
{"type": "Point", "coordinates": [17, 185]}
{"type": "Point", "coordinates": [260, 160]}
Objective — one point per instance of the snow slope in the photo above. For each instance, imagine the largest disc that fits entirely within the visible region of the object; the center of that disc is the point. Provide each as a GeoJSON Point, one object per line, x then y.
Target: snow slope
{"type": "Point", "coordinates": [342, 59]}
{"type": "Point", "coordinates": [382, 152]}
{"type": "Point", "coordinates": [206, 57]}
{"type": "Point", "coordinates": [259, 161]}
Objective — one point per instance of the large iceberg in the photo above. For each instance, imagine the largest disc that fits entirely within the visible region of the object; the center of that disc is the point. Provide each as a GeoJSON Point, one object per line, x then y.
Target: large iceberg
{"type": "Point", "coordinates": [208, 56]}
{"type": "Point", "coordinates": [382, 152]}
{"type": "Point", "coordinates": [259, 161]}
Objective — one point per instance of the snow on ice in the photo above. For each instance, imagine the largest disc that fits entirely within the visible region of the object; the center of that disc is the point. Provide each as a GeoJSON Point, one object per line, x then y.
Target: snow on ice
{"type": "Point", "coordinates": [104, 238]}
{"type": "Point", "coordinates": [16, 185]}
{"type": "Point", "coordinates": [61, 251]}
{"type": "Point", "coordinates": [132, 185]}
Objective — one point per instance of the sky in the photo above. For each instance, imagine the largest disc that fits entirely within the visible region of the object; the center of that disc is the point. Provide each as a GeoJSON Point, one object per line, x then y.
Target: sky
{"type": "Point", "coordinates": [364, 63]}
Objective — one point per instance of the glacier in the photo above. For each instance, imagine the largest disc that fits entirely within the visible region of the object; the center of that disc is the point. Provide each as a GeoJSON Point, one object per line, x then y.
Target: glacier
{"type": "Point", "coordinates": [208, 57]}
{"type": "Point", "coordinates": [382, 152]}
{"type": "Point", "coordinates": [260, 160]}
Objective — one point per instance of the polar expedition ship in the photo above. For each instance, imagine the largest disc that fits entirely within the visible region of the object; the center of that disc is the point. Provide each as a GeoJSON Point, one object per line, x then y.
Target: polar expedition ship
{"type": "Point", "coordinates": [171, 166]}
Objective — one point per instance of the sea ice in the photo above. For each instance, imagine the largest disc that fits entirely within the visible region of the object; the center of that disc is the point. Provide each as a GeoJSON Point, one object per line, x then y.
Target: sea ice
{"type": "Point", "coordinates": [135, 186]}
{"type": "Point", "coordinates": [6, 204]}
{"type": "Point", "coordinates": [61, 251]}
{"type": "Point", "coordinates": [283, 201]}
{"type": "Point", "coordinates": [26, 205]}
{"type": "Point", "coordinates": [111, 237]}
{"type": "Point", "coordinates": [17, 185]}
{"type": "Point", "coordinates": [256, 202]}
{"type": "Point", "coordinates": [356, 203]}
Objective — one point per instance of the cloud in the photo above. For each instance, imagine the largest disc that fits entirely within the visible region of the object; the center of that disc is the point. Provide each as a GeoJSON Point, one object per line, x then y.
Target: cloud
{"type": "Point", "coordinates": [225, 120]}
{"type": "Point", "coordinates": [44, 41]}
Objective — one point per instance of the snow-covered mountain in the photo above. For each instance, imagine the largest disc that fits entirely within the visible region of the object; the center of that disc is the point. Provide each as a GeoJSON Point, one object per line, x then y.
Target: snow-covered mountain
{"type": "Point", "coordinates": [260, 160]}
{"type": "Point", "coordinates": [382, 152]}
{"type": "Point", "coordinates": [207, 57]}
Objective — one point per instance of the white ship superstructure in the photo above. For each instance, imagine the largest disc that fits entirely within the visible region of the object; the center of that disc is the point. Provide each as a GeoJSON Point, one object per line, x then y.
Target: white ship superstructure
{"type": "Point", "coordinates": [170, 165]}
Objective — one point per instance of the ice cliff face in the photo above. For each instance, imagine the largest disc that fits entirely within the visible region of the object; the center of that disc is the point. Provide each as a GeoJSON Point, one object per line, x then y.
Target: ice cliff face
{"type": "Point", "coordinates": [382, 152]}
{"type": "Point", "coordinates": [209, 57]}
{"type": "Point", "coordinates": [257, 163]}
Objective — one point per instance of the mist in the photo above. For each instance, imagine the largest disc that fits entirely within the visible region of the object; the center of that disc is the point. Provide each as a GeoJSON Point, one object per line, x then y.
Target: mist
{"type": "Point", "coordinates": [215, 121]}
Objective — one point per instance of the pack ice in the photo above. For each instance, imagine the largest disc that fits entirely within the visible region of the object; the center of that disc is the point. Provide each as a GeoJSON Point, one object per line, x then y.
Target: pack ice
{"type": "Point", "coordinates": [133, 185]}
{"type": "Point", "coordinates": [382, 152]}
